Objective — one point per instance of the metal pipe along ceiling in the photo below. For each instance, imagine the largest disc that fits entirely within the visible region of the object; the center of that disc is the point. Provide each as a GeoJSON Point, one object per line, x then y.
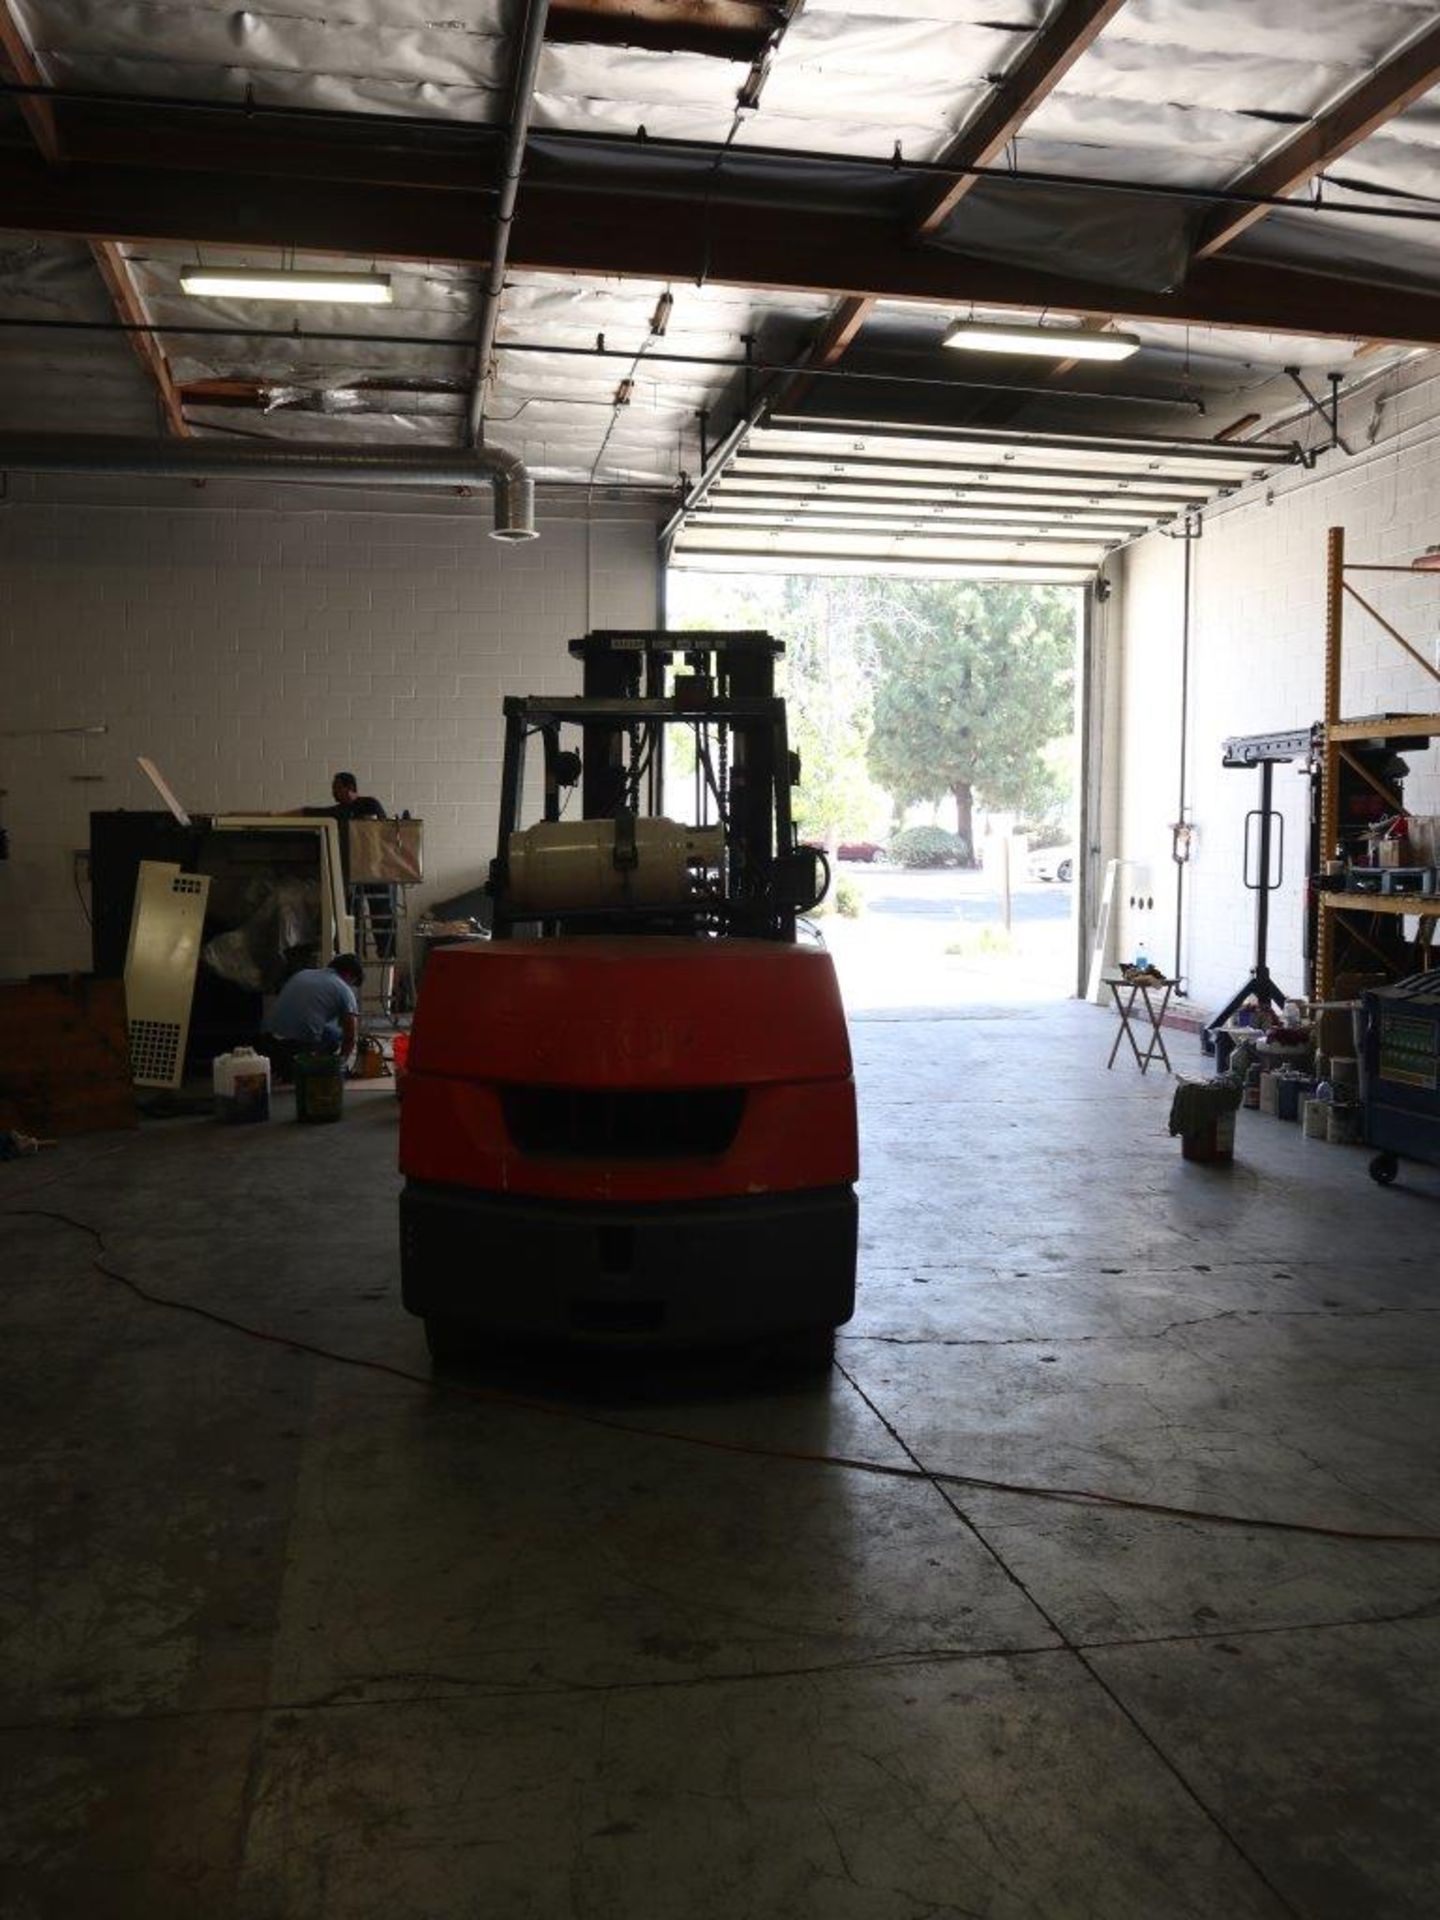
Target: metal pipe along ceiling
{"type": "Point", "coordinates": [112, 455]}
{"type": "Point", "coordinates": [527, 65]}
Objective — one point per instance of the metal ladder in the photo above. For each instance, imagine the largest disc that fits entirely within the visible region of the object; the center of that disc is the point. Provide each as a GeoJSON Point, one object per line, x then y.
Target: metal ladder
{"type": "Point", "coordinates": [384, 940]}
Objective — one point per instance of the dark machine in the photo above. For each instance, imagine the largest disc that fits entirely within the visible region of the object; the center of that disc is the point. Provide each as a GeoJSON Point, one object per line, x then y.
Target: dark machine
{"type": "Point", "coordinates": [629, 1116]}
{"type": "Point", "coordinates": [1402, 1074]}
{"type": "Point", "coordinates": [264, 914]}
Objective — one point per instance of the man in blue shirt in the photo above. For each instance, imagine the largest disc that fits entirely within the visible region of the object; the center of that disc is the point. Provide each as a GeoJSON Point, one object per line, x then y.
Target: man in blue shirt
{"type": "Point", "coordinates": [316, 1011]}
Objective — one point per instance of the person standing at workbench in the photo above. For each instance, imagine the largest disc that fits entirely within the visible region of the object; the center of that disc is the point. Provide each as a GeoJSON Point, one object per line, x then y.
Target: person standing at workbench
{"type": "Point", "coordinates": [349, 802]}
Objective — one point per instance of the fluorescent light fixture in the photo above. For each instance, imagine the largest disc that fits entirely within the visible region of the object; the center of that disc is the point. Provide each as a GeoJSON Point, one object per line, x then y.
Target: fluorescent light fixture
{"type": "Point", "coordinates": [246, 283]}
{"type": "Point", "coordinates": [1052, 343]}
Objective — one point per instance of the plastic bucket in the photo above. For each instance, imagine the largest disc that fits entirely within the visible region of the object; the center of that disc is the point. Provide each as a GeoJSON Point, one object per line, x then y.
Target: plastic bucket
{"type": "Point", "coordinates": [319, 1088]}
{"type": "Point", "coordinates": [1213, 1144]}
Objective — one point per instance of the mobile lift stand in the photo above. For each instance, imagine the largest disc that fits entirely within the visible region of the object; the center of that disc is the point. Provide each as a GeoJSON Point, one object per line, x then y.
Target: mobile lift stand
{"type": "Point", "coordinates": [1264, 835]}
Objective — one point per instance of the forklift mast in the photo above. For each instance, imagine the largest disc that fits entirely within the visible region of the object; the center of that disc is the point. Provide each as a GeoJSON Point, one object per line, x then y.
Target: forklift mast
{"type": "Point", "coordinates": [620, 865]}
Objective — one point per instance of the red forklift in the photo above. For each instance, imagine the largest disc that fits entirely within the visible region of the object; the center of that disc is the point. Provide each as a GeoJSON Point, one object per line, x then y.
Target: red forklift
{"type": "Point", "coordinates": [629, 1117]}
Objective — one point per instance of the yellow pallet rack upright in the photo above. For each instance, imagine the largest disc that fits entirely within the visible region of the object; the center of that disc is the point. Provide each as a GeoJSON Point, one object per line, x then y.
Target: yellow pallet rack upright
{"type": "Point", "coordinates": [1338, 732]}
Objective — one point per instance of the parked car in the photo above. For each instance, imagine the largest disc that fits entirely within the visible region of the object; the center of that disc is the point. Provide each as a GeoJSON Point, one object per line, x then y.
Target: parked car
{"type": "Point", "coordinates": [1052, 863]}
{"type": "Point", "coordinates": [865, 850]}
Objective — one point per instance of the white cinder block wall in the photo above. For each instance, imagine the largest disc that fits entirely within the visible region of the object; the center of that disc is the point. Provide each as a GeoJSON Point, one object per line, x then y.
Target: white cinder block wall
{"type": "Point", "coordinates": [1257, 662]}
{"type": "Point", "coordinates": [251, 641]}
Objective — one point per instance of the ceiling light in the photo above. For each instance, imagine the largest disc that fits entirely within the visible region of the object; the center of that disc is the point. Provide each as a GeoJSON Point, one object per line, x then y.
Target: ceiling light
{"type": "Point", "coordinates": [1053, 343]}
{"type": "Point", "coordinates": [245, 283]}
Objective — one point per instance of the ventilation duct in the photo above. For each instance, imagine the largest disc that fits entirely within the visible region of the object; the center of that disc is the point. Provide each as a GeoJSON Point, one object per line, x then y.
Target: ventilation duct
{"type": "Point", "coordinates": [115, 457]}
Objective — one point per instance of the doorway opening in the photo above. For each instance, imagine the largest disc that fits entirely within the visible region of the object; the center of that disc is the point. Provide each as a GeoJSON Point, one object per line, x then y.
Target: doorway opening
{"type": "Point", "coordinates": [936, 722]}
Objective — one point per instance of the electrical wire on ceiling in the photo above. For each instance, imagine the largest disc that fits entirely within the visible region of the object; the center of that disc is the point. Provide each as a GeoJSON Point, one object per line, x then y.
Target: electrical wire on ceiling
{"type": "Point", "coordinates": [559, 350]}
{"type": "Point", "coordinates": [659, 321]}
{"type": "Point", "coordinates": [461, 134]}
{"type": "Point", "coordinates": [707, 203]}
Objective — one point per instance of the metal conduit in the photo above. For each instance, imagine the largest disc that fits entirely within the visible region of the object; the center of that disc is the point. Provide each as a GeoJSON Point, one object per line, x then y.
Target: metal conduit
{"type": "Point", "coordinates": [115, 456]}
{"type": "Point", "coordinates": [527, 65]}
{"type": "Point", "coordinates": [460, 134]}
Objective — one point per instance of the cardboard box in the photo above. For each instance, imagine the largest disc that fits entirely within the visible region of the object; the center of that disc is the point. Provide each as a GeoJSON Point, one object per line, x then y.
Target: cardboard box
{"type": "Point", "coordinates": [388, 850]}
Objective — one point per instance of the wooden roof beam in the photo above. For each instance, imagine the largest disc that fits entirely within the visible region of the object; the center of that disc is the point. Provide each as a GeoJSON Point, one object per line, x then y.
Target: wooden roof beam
{"type": "Point", "coordinates": [125, 295]}
{"type": "Point", "coordinates": [562, 227]}
{"type": "Point", "coordinates": [1392, 87]}
{"type": "Point", "coordinates": [1047, 59]}
{"type": "Point", "coordinates": [723, 29]}
{"type": "Point", "coordinates": [831, 344]}
{"type": "Point", "coordinates": [19, 64]}
{"type": "Point", "coordinates": [1071, 29]}
{"type": "Point", "coordinates": [839, 331]}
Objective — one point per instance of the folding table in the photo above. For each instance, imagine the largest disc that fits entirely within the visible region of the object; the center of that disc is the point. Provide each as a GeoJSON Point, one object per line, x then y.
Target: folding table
{"type": "Point", "coordinates": [1126, 993]}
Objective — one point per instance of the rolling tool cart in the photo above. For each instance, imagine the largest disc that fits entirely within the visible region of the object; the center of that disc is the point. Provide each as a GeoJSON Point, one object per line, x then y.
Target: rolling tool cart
{"type": "Point", "coordinates": [1402, 1074]}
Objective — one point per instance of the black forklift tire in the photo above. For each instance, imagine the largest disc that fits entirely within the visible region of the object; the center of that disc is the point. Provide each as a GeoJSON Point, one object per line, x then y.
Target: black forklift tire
{"type": "Point", "coordinates": [1383, 1169]}
{"type": "Point", "coordinates": [452, 1343]}
{"type": "Point", "coordinates": [810, 1351]}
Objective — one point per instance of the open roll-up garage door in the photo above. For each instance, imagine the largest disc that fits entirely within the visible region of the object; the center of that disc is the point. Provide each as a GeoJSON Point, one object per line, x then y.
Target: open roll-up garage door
{"type": "Point", "coordinates": [801, 495]}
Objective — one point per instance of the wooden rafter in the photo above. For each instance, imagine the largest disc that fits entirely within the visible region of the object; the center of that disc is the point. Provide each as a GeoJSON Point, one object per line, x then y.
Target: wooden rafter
{"type": "Point", "coordinates": [831, 344]}
{"type": "Point", "coordinates": [1070, 30]}
{"type": "Point", "coordinates": [120, 284]}
{"type": "Point", "coordinates": [19, 64]}
{"type": "Point", "coordinates": [1047, 59]}
{"type": "Point", "coordinates": [839, 331]}
{"type": "Point", "coordinates": [1352, 118]}
{"type": "Point", "coordinates": [724, 29]}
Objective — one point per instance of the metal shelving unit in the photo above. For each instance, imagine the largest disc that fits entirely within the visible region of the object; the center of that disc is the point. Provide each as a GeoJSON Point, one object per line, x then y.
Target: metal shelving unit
{"type": "Point", "coordinates": [1333, 907]}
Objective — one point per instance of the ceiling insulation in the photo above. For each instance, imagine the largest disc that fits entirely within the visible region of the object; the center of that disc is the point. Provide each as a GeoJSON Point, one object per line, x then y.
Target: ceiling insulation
{"type": "Point", "coordinates": [1174, 97]}
{"type": "Point", "coordinates": [387, 56]}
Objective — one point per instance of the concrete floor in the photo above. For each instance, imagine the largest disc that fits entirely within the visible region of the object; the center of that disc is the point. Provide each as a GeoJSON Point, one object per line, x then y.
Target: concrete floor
{"type": "Point", "coordinates": [288, 1638]}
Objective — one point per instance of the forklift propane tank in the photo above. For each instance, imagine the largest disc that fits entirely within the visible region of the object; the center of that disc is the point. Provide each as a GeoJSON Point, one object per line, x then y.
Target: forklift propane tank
{"type": "Point", "coordinates": [564, 865]}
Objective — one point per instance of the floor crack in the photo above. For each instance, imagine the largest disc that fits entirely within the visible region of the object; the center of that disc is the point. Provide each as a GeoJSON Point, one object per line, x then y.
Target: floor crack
{"type": "Point", "coordinates": [351, 1694]}
{"type": "Point", "coordinates": [1079, 1654]}
{"type": "Point", "coordinates": [1120, 1333]}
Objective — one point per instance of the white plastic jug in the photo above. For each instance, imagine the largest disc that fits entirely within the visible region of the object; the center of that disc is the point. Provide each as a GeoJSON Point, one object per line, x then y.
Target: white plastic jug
{"type": "Point", "coordinates": [242, 1085]}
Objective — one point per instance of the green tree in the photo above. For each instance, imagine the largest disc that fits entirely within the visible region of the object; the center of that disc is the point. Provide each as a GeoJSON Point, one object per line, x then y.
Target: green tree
{"type": "Point", "coordinates": [825, 677]}
{"type": "Point", "coordinates": [825, 624]}
{"type": "Point", "coordinates": [973, 679]}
